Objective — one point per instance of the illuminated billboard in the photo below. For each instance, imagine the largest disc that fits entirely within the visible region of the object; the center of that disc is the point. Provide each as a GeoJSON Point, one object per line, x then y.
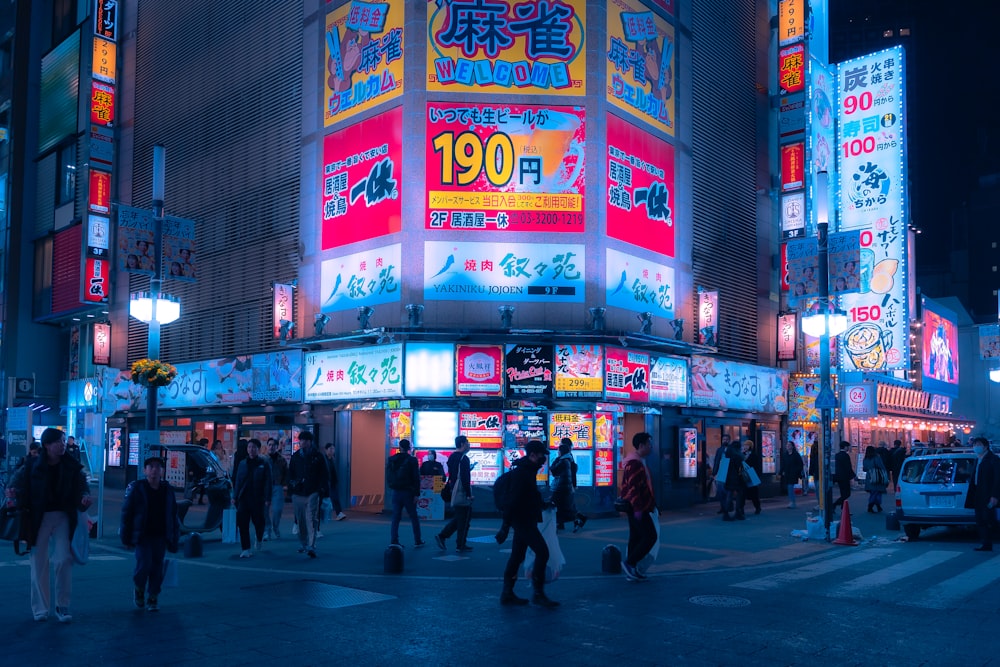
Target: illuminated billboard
{"type": "Point", "coordinates": [365, 278]}
{"type": "Point", "coordinates": [639, 284]}
{"type": "Point", "coordinates": [731, 385]}
{"type": "Point", "coordinates": [939, 349]}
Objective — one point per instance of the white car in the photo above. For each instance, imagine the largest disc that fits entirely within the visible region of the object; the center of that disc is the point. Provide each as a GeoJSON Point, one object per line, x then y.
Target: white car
{"type": "Point", "coordinates": [933, 485]}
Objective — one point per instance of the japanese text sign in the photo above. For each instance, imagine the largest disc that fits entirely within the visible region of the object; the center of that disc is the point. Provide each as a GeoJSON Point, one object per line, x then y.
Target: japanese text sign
{"type": "Point", "coordinates": [802, 257]}
{"type": "Point", "coordinates": [579, 371]}
{"type": "Point", "coordinates": [731, 385]}
{"type": "Point", "coordinates": [282, 309]}
{"type": "Point", "coordinates": [343, 375]}
{"type": "Point", "coordinates": [791, 21]}
{"type": "Point", "coordinates": [102, 104]}
{"type": "Point", "coordinates": [270, 377]}
{"type": "Point", "coordinates": [871, 158]}
{"type": "Point", "coordinates": [102, 344]}
{"type": "Point", "coordinates": [483, 429]}
{"type": "Point", "coordinates": [528, 370]}
{"type": "Point", "coordinates": [626, 375]}
{"type": "Point", "coordinates": [787, 336]}
{"type": "Point", "coordinates": [523, 427]}
{"type": "Point", "coordinates": [640, 187]}
{"type": "Point", "coordinates": [106, 19]}
{"type": "Point", "coordinates": [820, 138]}
{"type": "Point", "coordinates": [96, 284]}
{"type": "Point", "coordinates": [668, 380]}
{"type": "Point", "coordinates": [792, 68]}
{"type": "Point", "coordinates": [578, 427]}
{"type": "Point", "coordinates": [509, 272]}
{"type": "Point", "coordinates": [844, 260]}
{"type": "Point", "coordinates": [364, 58]}
{"type": "Point", "coordinates": [505, 167]}
{"type": "Point", "coordinates": [100, 191]}
{"type": "Point", "coordinates": [362, 180]}
{"type": "Point", "coordinates": [639, 285]}
{"type": "Point", "coordinates": [105, 64]}
{"type": "Point", "coordinates": [793, 175]}
{"type": "Point", "coordinates": [708, 318]}
{"type": "Point", "coordinates": [793, 214]}
{"type": "Point", "coordinates": [859, 400]}
{"type": "Point", "coordinates": [522, 47]}
{"type": "Point", "coordinates": [640, 64]}
{"type": "Point", "coordinates": [178, 249]}
{"type": "Point", "coordinates": [802, 393]}
{"type": "Point", "coordinates": [479, 370]}
{"type": "Point", "coordinates": [365, 278]}
{"type": "Point", "coordinates": [135, 240]}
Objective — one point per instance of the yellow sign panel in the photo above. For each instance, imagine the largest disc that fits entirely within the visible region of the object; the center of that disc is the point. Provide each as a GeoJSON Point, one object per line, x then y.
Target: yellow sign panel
{"type": "Point", "coordinates": [640, 64]}
{"type": "Point", "coordinates": [104, 67]}
{"type": "Point", "coordinates": [519, 48]}
{"type": "Point", "coordinates": [791, 21]}
{"type": "Point", "coordinates": [364, 58]}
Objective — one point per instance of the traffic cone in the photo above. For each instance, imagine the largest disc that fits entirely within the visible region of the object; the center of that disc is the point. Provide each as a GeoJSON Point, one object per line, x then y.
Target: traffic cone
{"type": "Point", "coordinates": [845, 535]}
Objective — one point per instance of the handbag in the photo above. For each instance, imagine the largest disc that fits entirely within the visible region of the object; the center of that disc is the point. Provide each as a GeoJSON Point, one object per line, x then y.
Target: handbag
{"type": "Point", "coordinates": [80, 544]}
{"type": "Point", "coordinates": [446, 492]}
{"type": "Point", "coordinates": [622, 505]}
{"type": "Point", "coordinates": [749, 475]}
{"type": "Point", "coordinates": [10, 523]}
{"type": "Point", "coordinates": [170, 576]}
{"type": "Point", "coordinates": [723, 470]}
{"type": "Point", "coordinates": [229, 526]}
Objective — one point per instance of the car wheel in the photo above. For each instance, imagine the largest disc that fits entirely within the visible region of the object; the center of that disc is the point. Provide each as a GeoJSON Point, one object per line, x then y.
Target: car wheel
{"type": "Point", "coordinates": [912, 531]}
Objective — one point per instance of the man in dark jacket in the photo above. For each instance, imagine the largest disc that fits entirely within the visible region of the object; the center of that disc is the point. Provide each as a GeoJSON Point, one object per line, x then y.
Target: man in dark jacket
{"type": "Point", "coordinates": [720, 484]}
{"type": "Point", "coordinates": [150, 525]}
{"type": "Point", "coordinates": [524, 514]}
{"type": "Point", "coordinates": [403, 477]}
{"type": "Point", "coordinates": [897, 457]}
{"type": "Point", "coordinates": [460, 478]}
{"type": "Point", "coordinates": [843, 472]}
{"type": "Point", "coordinates": [307, 478]}
{"type": "Point", "coordinates": [336, 511]}
{"type": "Point", "coordinates": [279, 477]}
{"type": "Point", "coordinates": [984, 492]}
{"type": "Point", "coordinates": [736, 488]}
{"type": "Point", "coordinates": [252, 493]}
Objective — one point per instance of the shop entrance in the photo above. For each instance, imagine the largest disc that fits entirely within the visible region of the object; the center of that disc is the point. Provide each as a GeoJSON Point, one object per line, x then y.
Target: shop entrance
{"type": "Point", "coordinates": [367, 460]}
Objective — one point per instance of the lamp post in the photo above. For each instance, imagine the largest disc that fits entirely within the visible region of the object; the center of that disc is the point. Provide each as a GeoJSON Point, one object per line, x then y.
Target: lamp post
{"type": "Point", "coordinates": [824, 324]}
{"type": "Point", "coordinates": [154, 307]}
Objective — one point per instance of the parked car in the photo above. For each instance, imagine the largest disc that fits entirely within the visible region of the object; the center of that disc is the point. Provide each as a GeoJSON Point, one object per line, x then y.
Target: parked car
{"type": "Point", "coordinates": [933, 485]}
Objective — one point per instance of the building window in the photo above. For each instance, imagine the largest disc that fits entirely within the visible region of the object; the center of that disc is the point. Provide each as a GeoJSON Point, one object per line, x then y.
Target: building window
{"type": "Point", "coordinates": [66, 175]}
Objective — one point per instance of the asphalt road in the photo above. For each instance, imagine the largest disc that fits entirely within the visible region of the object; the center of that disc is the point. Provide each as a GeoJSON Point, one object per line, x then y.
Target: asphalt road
{"type": "Point", "coordinates": [742, 593]}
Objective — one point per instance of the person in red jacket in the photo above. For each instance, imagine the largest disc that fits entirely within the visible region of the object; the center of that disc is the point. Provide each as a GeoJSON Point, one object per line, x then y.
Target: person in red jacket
{"type": "Point", "coordinates": [637, 489]}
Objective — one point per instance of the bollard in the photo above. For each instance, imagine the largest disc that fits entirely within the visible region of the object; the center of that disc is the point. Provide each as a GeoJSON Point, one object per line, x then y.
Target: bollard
{"type": "Point", "coordinates": [611, 560]}
{"type": "Point", "coordinates": [193, 546]}
{"type": "Point", "coordinates": [392, 559]}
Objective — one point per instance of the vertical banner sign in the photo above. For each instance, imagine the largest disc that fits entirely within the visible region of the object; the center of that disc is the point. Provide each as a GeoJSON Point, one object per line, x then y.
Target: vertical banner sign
{"type": "Point", "coordinates": [106, 19]}
{"type": "Point", "coordinates": [793, 215]}
{"type": "Point", "coordinates": [708, 317]}
{"type": "Point", "coordinates": [102, 344]}
{"type": "Point", "coordinates": [639, 285]}
{"type": "Point", "coordinates": [791, 21]}
{"type": "Point", "coordinates": [96, 283]}
{"type": "Point", "coordinates": [786, 337]}
{"type": "Point", "coordinates": [104, 64]}
{"type": "Point", "coordinates": [871, 159]}
{"type": "Point", "coordinates": [989, 342]}
{"type": "Point", "coordinates": [626, 375]}
{"type": "Point", "coordinates": [178, 249]}
{"type": "Point", "coordinates": [793, 174]}
{"type": "Point", "coordinates": [792, 68]}
{"type": "Point", "coordinates": [579, 371]}
{"type": "Point", "coordinates": [99, 200]}
{"type": "Point", "coordinates": [802, 257]}
{"type": "Point", "coordinates": [365, 278]}
{"type": "Point", "coordinates": [688, 455]}
{"type": "Point", "coordinates": [479, 370]}
{"type": "Point", "coordinates": [511, 167]}
{"type": "Point", "coordinates": [283, 308]}
{"type": "Point", "coordinates": [363, 46]}
{"type": "Point", "coordinates": [523, 47]}
{"type": "Point", "coordinates": [362, 169]}
{"type": "Point", "coordinates": [820, 137]}
{"type": "Point", "coordinates": [640, 187]}
{"type": "Point", "coordinates": [528, 369]}
{"type": "Point", "coordinates": [767, 453]}
{"type": "Point", "coordinates": [102, 104]}
{"type": "Point", "coordinates": [135, 240]}
{"type": "Point", "coordinates": [844, 262]}
{"type": "Point", "coordinates": [640, 64]}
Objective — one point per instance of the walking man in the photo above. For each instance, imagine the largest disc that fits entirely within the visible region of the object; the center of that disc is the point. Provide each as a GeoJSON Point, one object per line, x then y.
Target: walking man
{"type": "Point", "coordinates": [897, 456]}
{"type": "Point", "coordinates": [460, 477]}
{"type": "Point", "coordinates": [403, 477]}
{"type": "Point", "coordinates": [720, 485]}
{"type": "Point", "coordinates": [637, 489]}
{"type": "Point", "coordinates": [279, 477]}
{"type": "Point", "coordinates": [331, 460]}
{"type": "Point", "coordinates": [524, 513]}
{"type": "Point", "coordinates": [252, 493]}
{"type": "Point", "coordinates": [307, 475]}
{"type": "Point", "coordinates": [984, 492]}
{"type": "Point", "coordinates": [843, 473]}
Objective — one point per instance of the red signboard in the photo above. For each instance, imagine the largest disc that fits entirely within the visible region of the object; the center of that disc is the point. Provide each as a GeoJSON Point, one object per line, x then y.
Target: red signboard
{"type": "Point", "coordinates": [626, 375]}
{"type": "Point", "coordinates": [100, 191]}
{"type": "Point", "coordinates": [96, 280]}
{"type": "Point", "coordinates": [479, 370]}
{"type": "Point", "coordinates": [639, 187]}
{"type": "Point", "coordinates": [102, 104]}
{"type": "Point", "coordinates": [483, 429]}
{"type": "Point", "coordinates": [793, 169]}
{"type": "Point", "coordinates": [102, 344]}
{"type": "Point", "coordinates": [792, 68]}
{"type": "Point", "coordinates": [510, 167]}
{"type": "Point", "coordinates": [604, 467]}
{"type": "Point", "coordinates": [362, 180]}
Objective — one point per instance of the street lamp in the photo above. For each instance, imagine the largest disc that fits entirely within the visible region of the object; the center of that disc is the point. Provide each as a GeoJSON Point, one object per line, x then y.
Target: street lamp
{"type": "Point", "coordinates": [823, 323]}
{"type": "Point", "coordinates": [155, 307]}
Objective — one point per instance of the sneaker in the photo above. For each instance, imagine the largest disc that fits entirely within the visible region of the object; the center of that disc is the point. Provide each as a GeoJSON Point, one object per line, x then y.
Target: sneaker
{"type": "Point", "coordinates": [311, 553]}
{"type": "Point", "coordinates": [140, 598]}
{"type": "Point", "coordinates": [419, 544]}
{"type": "Point", "coordinates": [63, 615]}
{"type": "Point", "coordinates": [463, 550]}
{"type": "Point", "coordinates": [246, 553]}
{"type": "Point", "coordinates": [630, 572]}
{"type": "Point", "coordinates": [341, 516]}
{"type": "Point", "coordinates": [319, 534]}
{"type": "Point", "coordinates": [295, 529]}
{"type": "Point", "coordinates": [151, 604]}
{"type": "Point", "coordinates": [439, 541]}
{"type": "Point", "coordinates": [41, 617]}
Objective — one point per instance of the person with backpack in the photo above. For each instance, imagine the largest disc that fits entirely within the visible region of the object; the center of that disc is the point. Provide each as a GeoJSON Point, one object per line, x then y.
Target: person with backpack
{"type": "Point", "coordinates": [460, 483]}
{"type": "Point", "coordinates": [562, 472]}
{"type": "Point", "coordinates": [308, 477]}
{"type": "Point", "coordinates": [522, 508]}
{"type": "Point", "coordinates": [403, 477]}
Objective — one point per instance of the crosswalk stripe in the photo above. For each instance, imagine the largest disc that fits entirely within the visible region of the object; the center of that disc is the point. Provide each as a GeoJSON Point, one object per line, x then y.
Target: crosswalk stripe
{"type": "Point", "coordinates": [813, 570]}
{"type": "Point", "coordinates": [893, 573]}
{"type": "Point", "coordinates": [947, 593]}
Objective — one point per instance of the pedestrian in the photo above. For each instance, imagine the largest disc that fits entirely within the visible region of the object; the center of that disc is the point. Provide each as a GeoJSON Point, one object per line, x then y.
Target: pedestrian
{"type": "Point", "coordinates": [460, 479]}
{"type": "Point", "coordinates": [72, 449]}
{"type": "Point", "coordinates": [307, 478]}
{"type": "Point", "coordinates": [886, 455]}
{"type": "Point", "coordinates": [898, 453]}
{"type": "Point", "coordinates": [431, 466]}
{"type": "Point", "coordinates": [150, 525]}
{"type": "Point", "coordinates": [562, 471]}
{"type": "Point", "coordinates": [252, 492]}
{"type": "Point", "coordinates": [238, 456]}
{"type": "Point", "coordinates": [791, 471]}
{"type": "Point", "coordinates": [752, 459]}
{"type": "Point", "coordinates": [815, 461]}
{"type": "Point", "coordinates": [279, 477]}
{"type": "Point", "coordinates": [51, 489]}
{"type": "Point", "coordinates": [876, 476]}
{"type": "Point", "coordinates": [984, 492]}
{"type": "Point", "coordinates": [736, 487]}
{"type": "Point", "coordinates": [843, 472]}
{"type": "Point", "coordinates": [334, 486]}
{"type": "Point", "coordinates": [637, 489]}
{"type": "Point", "coordinates": [220, 455]}
{"type": "Point", "coordinates": [523, 514]}
{"type": "Point", "coordinates": [720, 484]}
{"type": "Point", "coordinates": [403, 477]}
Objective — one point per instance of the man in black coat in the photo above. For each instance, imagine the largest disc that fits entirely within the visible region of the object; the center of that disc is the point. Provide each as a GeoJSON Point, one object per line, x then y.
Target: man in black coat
{"type": "Point", "coordinates": [524, 514]}
{"type": "Point", "coordinates": [403, 478]}
{"type": "Point", "coordinates": [843, 472]}
{"type": "Point", "coordinates": [308, 477]}
{"type": "Point", "coordinates": [984, 492]}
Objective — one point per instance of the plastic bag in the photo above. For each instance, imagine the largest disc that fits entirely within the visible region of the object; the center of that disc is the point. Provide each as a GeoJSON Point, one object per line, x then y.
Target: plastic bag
{"type": "Point", "coordinates": [170, 577]}
{"type": "Point", "coordinates": [556, 558]}
{"type": "Point", "coordinates": [80, 543]}
{"type": "Point", "coordinates": [229, 526]}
